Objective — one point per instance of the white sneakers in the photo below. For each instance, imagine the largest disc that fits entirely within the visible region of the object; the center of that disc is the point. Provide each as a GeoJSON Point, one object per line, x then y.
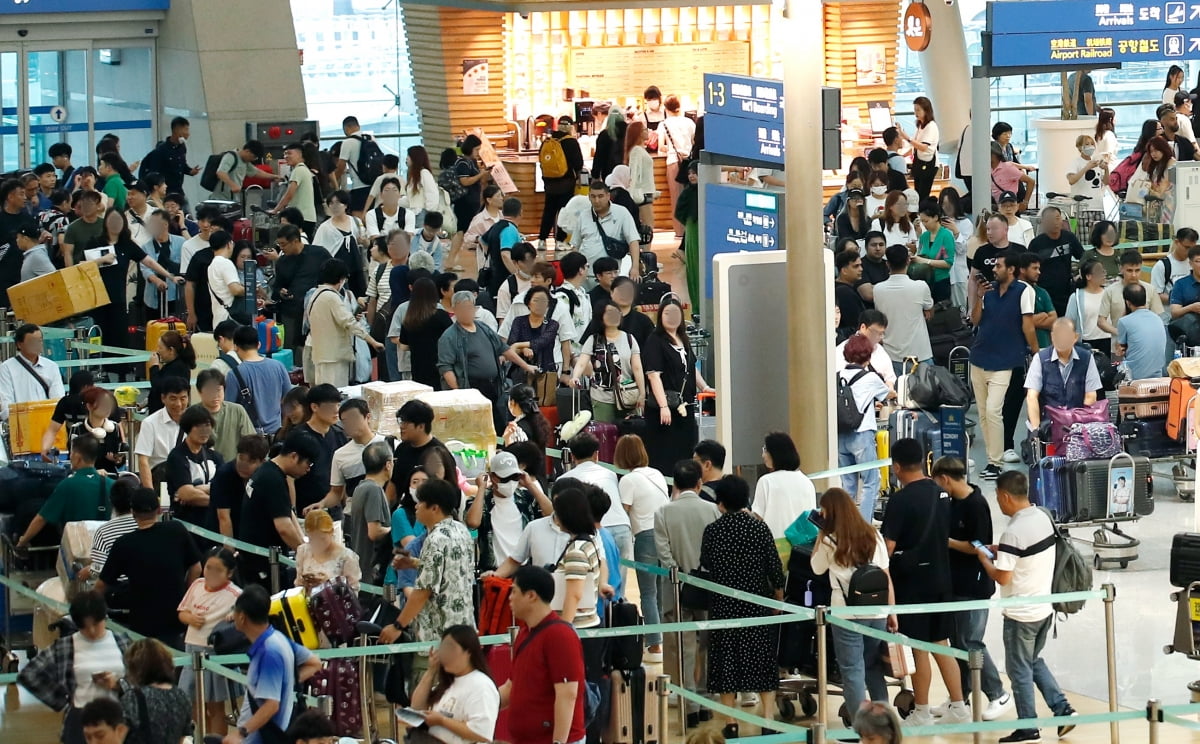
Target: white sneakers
{"type": "Point", "coordinates": [995, 709]}
{"type": "Point", "coordinates": [998, 707]}
{"type": "Point", "coordinates": [1011, 456]}
{"type": "Point", "coordinates": [920, 718]}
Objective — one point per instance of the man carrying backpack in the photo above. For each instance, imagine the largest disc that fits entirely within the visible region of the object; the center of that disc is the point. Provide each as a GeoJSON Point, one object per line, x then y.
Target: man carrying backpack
{"type": "Point", "coordinates": [562, 161]}
{"type": "Point", "coordinates": [1023, 564]}
{"type": "Point", "coordinates": [359, 160]}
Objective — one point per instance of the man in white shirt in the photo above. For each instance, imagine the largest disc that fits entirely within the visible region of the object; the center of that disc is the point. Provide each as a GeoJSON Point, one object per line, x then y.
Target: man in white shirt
{"type": "Point", "coordinates": [617, 225]}
{"type": "Point", "coordinates": [348, 469]}
{"type": "Point", "coordinates": [224, 282]}
{"type": "Point", "coordinates": [160, 431]}
{"type": "Point", "coordinates": [346, 171]}
{"type": "Point", "coordinates": [585, 451]}
{"type": "Point", "coordinates": [226, 348]}
{"type": "Point", "coordinates": [1174, 265]}
{"type": "Point", "coordinates": [872, 324]}
{"type": "Point", "coordinates": [206, 221]}
{"type": "Point", "coordinates": [907, 304]}
{"type": "Point", "coordinates": [35, 261]}
{"type": "Point", "coordinates": [138, 212]}
{"type": "Point", "coordinates": [391, 168]}
{"type": "Point", "coordinates": [1023, 565]}
{"type": "Point", "coordinates": [29, 376]}
{"type": "Point", "coordinates": [573, 294]}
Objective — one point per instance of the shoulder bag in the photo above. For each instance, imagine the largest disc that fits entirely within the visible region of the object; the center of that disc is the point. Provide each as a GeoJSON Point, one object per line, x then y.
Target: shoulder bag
{"type": "Point", "coordinates": [614, 248]}
{"type": "Point", "coordinates": [685, 164]}
{"type": "Point", "coordinates": [41, 380]}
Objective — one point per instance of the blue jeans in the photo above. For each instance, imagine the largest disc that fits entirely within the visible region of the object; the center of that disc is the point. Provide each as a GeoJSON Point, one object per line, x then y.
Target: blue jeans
{"type": "Point", "coordinates": [389, 357]}
{"type": "Point", "coordinates": [969, 627]}
{"type": "Point", "coordinates": [862, 667]}
{"type": "Point", "coordinates": [1023, 643]}
{"type": "Point", "coordinates": [623, 536]}
{"type": "Point", "coordinates": [853, 449]}
{"type": "Point", "coordinates": [644, 551]}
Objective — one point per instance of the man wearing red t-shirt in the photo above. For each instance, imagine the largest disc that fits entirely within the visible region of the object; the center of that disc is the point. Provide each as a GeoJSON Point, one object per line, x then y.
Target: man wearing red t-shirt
{"type": "Point", "coordinates": [545, 691]}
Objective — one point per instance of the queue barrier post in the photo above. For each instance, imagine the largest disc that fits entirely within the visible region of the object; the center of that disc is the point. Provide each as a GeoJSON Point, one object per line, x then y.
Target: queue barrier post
{"type": "Point", "coordinates": [366, 691]}
{"type": "Point", "coordinates": [389, 596]}
{"type": "Point", "coordinates": [1110, 647]}
{"type": "Point", "coordinates": [273, 558]}
{"type": "Point", "coordinates": [325, 705]}
{"type": "Point", "coordinates": [664, 725]}
{"type": "Point", "coordinates": [822, 678]}
{"type": "Point", "coordinates": [975, 666]}
{"type": "Point", "coordinates": [1154, 715]}
{"type": "Point", "coordinates": [678, 606]}
{"type": "Point", "coordinates": [198, 680]}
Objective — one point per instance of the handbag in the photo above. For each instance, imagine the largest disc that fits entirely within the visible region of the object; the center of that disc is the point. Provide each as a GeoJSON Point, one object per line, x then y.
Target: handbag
{"type": "Point", "coordinates": [685, 164]}
{"type": "Point", "coordinates": [1061, 419]}
{"type": "Point", "coordinates": [692, 597]}
{"type": "Point", "coordinates": [627, 393]}
{"type": "Point", "coordinates": [1094, 441]}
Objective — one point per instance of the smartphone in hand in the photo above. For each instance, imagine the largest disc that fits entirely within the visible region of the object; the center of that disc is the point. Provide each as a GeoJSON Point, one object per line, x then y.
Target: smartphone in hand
{"type": "Point", "coordinates": [980, 546]}
{"type": "Point", "coordinates": [815, 518]}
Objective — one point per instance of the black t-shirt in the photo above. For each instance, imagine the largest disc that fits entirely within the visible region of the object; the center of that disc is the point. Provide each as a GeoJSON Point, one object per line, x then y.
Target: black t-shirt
{"type": "Point", "coordinates": [1057, 276]}
{"type": "Point", "coordinates": [69, 410]}
{"type": "Point", "coordinates": [874, 272]}
{"type": "Point", "coordinates": [110, 447]}
{"type": "Point", "coordinates": [637, 325]}
{"type": "Point", "coordinates": [599, 294]}
{"type": "Point", "coordinates": [847, 299]}
{"type": "Point", "coordinates": [265, 501]}
{"type": "Point", "coordinates": [302, 272]}
{"type": "Point", "coordinates": [423, 342]}
{"type": "Point", "coordinates": [227, 491]}
{"type": "Point", "coordinates": [407, 457]}
{"type": "Point", "coordinates": [843, 228]}
{"type": "Point", "coordinates": [917, 519]}
{"type": "Point", "coordinates": [173, 368]}
{"type": "Point", "coordinates": [678, 372]}
{"type": "Point", "coordinates": [314, 486]}
{"type": "Point", "coordinates": [970, 519]}
{"type": "Point", "coordinates": [155, 562]}
{"type": "Point", "coordinates": [115, 275]}
{"type": "Point", "coordinates": [984, 261]}
{"type": "Point", "coordinates": [10, 256]}
{"type": "Point", "coordinates": [187, 468]}
{"type": "Point", "coordinates": [197, 274]}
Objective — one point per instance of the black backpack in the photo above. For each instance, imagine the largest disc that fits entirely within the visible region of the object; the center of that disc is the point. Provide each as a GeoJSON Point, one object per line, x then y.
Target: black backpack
{"type": "Point", "coordinates": [849, 417]}
{"type": "Point", "coordinates": [370, 160]}
{"type": "Point", "coordinates": [212, 166]}
{"type": "Point", "coordinates": [868, 587]}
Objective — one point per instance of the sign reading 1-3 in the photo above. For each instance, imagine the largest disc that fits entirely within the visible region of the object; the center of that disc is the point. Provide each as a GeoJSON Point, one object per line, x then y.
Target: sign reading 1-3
{"type": "Point", "coordinates": [743, 117]}
{"type": "Point", "coordinates": [14, 7]}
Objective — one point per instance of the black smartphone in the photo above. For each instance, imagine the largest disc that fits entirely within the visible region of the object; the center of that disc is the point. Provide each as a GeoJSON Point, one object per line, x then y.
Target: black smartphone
{"type": "Point", "coordinates": [816, 519]}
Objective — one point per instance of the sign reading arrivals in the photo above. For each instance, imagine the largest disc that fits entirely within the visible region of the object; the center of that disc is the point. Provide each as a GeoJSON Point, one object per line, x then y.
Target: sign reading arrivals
{"type": "Point", "coordinates": [16, 7]}
{"type": "Point", "coordinates": [1075, 33]}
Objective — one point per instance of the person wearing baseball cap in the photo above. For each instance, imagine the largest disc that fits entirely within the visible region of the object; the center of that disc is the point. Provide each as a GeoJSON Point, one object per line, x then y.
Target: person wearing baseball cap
{"type": "Point", "coordinates": [1020, 230]}
{"type": "Point", "coordinates": [35, 261]}
{"type": "Point", "coordinates": [508, 500]}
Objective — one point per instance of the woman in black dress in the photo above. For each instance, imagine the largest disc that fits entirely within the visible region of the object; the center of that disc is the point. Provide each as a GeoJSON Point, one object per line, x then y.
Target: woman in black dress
{"type": "Point", "coordinates": [670, 367]}
{"type": "Point", "coordinates": [100, 404]}
{"type": "Point", "coordinates": [740, 553]}
{"type": "Point", "coordinates": [423, 325]}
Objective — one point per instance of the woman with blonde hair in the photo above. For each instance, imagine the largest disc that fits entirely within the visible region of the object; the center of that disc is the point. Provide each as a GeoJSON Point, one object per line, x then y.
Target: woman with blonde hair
{"type": "Point", "coordinates": [643, 492]}
{"type": "Point", "coordinates": [323, 558]}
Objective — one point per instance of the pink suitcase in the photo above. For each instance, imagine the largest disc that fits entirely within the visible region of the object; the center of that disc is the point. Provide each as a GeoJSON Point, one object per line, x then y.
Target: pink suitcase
{"type": "Point", "coordinates": [608, 436]}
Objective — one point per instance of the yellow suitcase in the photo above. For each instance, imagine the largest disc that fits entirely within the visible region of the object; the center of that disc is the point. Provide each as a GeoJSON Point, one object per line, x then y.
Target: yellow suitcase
{"type": "Point", "coordinates": [27, 422]}
{"type": "Point", "coordinates": [882, 453]}
{"type": "Point", "coordinates": [290, 615]}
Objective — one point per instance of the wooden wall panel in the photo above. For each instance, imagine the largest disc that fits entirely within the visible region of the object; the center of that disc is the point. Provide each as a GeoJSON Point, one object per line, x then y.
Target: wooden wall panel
{"type": "Point", "coordinates": [439, 39]}
{"type": "Point", "coordinates": [849, 25]}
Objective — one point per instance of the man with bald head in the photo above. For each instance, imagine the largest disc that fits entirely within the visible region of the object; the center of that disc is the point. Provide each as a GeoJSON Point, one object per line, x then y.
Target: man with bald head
{"type": "Point", "coordinates": [1063, 374]}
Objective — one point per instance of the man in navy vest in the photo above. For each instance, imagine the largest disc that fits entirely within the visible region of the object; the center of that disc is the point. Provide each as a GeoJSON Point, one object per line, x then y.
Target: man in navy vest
{"type": "Point", "coordinates": [1063, 375]}
{"type": "Point", "coordinates": [1003, 317]}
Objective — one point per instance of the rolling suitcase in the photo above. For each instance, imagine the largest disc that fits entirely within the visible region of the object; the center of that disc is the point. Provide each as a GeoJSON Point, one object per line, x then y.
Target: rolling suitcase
{"type": "Point", "coordinates": [289, 614]}
{"type": "Point", "coordinates": [921, 426]}
{"type": "Point", "coordinates": [953, 423]}
{"type": "Point", "coordinates": [335, 608]}
{"type": "Point", "coordinates": [1148, 437]}
{"type": "Point", "coordinates": [1185, 559]}
{"type": "Point", "coordinates": [1179, 402]}
{"type": "Point", "coordinates": [166, 322]}
{"type": "Point", "coordinates": [608, 435]}
{"type": "Point", "coordinates": [1051, 487]}
{"type": "Point", "coordinates": [1092, 488]}
{"type": "Point", "coordinates": [1150, 390]}
{"type": "Point", "coordinates": [339, 679]}
{"type": "Point", "coordinates": [633, 718]}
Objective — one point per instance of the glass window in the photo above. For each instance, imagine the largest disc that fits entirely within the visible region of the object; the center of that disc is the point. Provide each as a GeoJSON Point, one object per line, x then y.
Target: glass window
{"type": "Point", "coordinates": [58, 103]}
{"type": "Point", "coordinates": [123, 100]}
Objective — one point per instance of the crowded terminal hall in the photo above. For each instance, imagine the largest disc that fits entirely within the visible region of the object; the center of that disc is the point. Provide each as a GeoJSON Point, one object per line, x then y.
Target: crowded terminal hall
{"type": "Point", "coordinates": [504, 372]}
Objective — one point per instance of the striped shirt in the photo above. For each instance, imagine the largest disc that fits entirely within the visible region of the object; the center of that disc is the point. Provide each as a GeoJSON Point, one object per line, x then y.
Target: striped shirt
{"type": "Point", "coordinates": [106, 535]}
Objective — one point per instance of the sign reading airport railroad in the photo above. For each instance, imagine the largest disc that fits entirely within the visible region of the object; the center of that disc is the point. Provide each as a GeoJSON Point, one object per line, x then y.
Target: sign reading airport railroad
{"type": "Point", "coordinates": [1075, 33]}
{"type": "Point", "coordinates": [743, 117]}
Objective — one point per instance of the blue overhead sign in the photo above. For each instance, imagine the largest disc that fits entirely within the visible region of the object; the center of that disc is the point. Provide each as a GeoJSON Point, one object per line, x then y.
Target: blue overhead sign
{"type": "Point", "coordinates": [1076, 33]}
{"type": "Point", "coordinates": [739, 219]}
{"type": "Point", "coordinates": [17, 7]}
{"type": "Point", "coordinates": [743, 117]}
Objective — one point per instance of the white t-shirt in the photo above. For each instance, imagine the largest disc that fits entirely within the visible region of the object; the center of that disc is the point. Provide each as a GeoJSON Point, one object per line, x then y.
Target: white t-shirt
{"type": "Point", "coordinates": [390, 222]}
{"type": "Point", "coordinates": [1090, 183]}
{"type": "Point", "coordinates": [880, 361]}
{"type": "Point", "coordinates": [839, 575]}
{"type": "Point", "coordinates": [157, 437]}
{"type": "Point", "coordinates": [595, 474]}
{"type": "Point", "coordinates": [1179, 269]}
{"type": "Point", "coordinates": [303, 198]}
{"type": "Point", "coordinates": [928, 135]}
{"type": "Point", "coordinates": [349, 151]}
{"type": "Point", "coordinates": [506, 528]}
{"type": "Point", "coordinates": [541, 543]}
{"type": "Point", "coordinates": [644, 490]}
{"type": "Point", "coordinates": [1021, 232]}
{"type": "Point", "coordinates": [682, 132]}
{"type": "Point", "coordinates": [874, 205]}
{"type": "Point", "coordinates": [212, 606]}
{"type": "Point", "coordinates": [190, 247]}
{"type": "Point", "coordinates": [1032, 575]}
{"type": "Point", "coordinates": [867, 390]}
{"type": "Point", "coordinates": [779, 498]}
{"type": "Point", "coordinates": [472, 699]}
{"type": "Point", "coordinates": [93, 657]}
{"type": "Point", "coordinates": [221, 273]}
{"type": "Point", "coordinates": [347, 461]}
{"type": "Point", "coordinates": [895, 235]}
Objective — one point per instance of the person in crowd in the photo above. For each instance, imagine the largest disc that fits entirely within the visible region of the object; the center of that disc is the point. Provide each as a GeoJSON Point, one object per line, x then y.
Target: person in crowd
{"type": "Point", "coordinates": [1009, 179]}
{"type": "Point", "coordinates": [853, 221]}
{"type": "Point", "coordinates": [169, 157]}
{"type": "Point", "coordinates": [388, 214]}
{"type": "Point", "coordinates": [585, 451]}
{"type": "Point", "coordinates": [878, 185]}
{"type": "Point", "coordinates": [182, 223]}
{"type": "Point", "coordinates": [419, 330]}
{"type": "Point", "coordinates": [547, 687]}
{"type": "Point", "coordinates": [1184, 109]}
{"type": "Point", "coordinates": [108, 167]}
{"type": "Point", "coordinates": [543, 274]}
{"type": "Point", "coordinates": [1077, 381]}
{"type": "Point", "coordinates": [906, 303]}
{"type": "Point", "coordinates": [257, 383]}
{"type": "Point", "coordinates": [1002, 133]}
{"type": "Point", "coordinates": [114, 250]}
{"type": "Point", "coordinates": [868, 387]}
{"type": "Point", "coordinates": [421, 192]}
{"type": "Point", "coordinates": [160, 430]}
{"type": "Point", "coordinates": [878, 723]}
{"type": "Point", "coordinates": [347, 469]}
{"type": "Point", "coordinates": [960, 229]}
{"type": "Point", "coordinates": [369, 523]}
{"type": "Point", "coordinates": [537, 338]}
{"type": "Point", "coordinates": [235, 167]}
{"type": "Point", "coordinates": [970, 522]}
{"type": "Point", "coordinates": [456, 694]}
{"type": "Point", "coordinates": [429, 239]}
{"type": "Point", "coordinates": [846, 542]}
{"type": "Point", "coordinates": [528, 423]}
{"type": "Point", "coordinates": [1003, 317]}
{"type": "Point", "coordinates": [559, 189]}
{"type": "Point", "coordinates": [157, 554]}
{"type": "Point", "coordinates": [191, 467]}
{"type": "Point", "coordinates": [277, 667]}
{"type": "Point", "coordinates": [1020, 230]}
{"type": "Point", "coordinates": [924, 142]}
{"type": "Point", "coordinates": [643, 492]}
{"type": "Point", "coordinates": [837, 202]}
{"type": "Point", "coordinates": [894, 222]}
{"type": "Point", "coordinates": [81, 496]}
{"type": "Point", "coordinates": [155, 708]}
{"type": "Point", "coordinates": [1030, 271]}
{"type": "Point", "coordinates": [874, 267]}
{"type": "Point", "coordinates": [624, 294]}
{"type": "Point", "coordinates": [604, 270]}
{"type": "Point", "coordinates": [936, 250]}
{"type": "Point", "coordinates": [1173, 84]}
{"type": "Point", "coordinates": [1057, 247]}
{"type": "Point", "coordinates": [293, 410]}
{"type": "Point", "coordinates": [267, 519]}
{"type": "Point", "coordinates": [60, 157]}
{"type": "Point", "coordinates": [1141, 336]}
{"type": "Point", "coordinates": [916, 530]}
{"type": "Point", "coordinates": [641, 170]}
{"type": "Point", "coordinates": [1185, 297]}
{"type": "Point", "coordinates": [27, 375]}
{"type": "Point", "coordinates": [103, 722]}
{"type": "Point", "coordinates": [678, 534]}
{"type": "Point", "coordinates": [195, 259]}
{"type": "Point", "coordinates": [1024, 567]}
{"type": "Point", "coordinates": [612, 584]}
{"type": "Point", "coordinates": [167, 249]}
{"type": "Point", "coordinates": [1150, 182]}
{"type": "Point", "coordinates": [845, 294]}
{"type": "Point", "coordinates": [739, 552]}
{"type": "Point", "coordinates": [1084, 305]}
{"type": "Point", "coordinates": [679, 133]}
{"type": "Point", "coordinates": [1104, 242]}
{"type": "Point", "coordinates": [493, 204]}
{"type": "Point", "coordinates": [895, 160]}
{"type": "Point", "coordinates": [469, 356]}
{"type": "Point", "coordinates": [230, 420]}
{"type": "Point", "coordinates": [873, 325]}
{"type": "Point", "coordinates": [1112, 304]}
{"type": "Point", "coordinates": [470, 175]}
{"type": "Point", "coordinates": [1178, 147]}
{"type": "Point", "coordinates": [709, 454]}
{"type": "Point", "coordinates": [1089, 172]}
{"type": "Point", "coordinates": [498, 242]}
{"type": "Point", "coordinates": [577, 571]}
{"type": "Point", "coordinates": [333, 327]}
{"type": "Point", "coordinates": [415, 422]}
{"type": "Point", "coordinates": [228, 487]}
{"type": "Point", "coordinates": [138, 211]}
{"type": "Point", "coordinates": [1175, 265]}
{"type": "Point", "coordinates": [674, 381]}
{"type": "Point", "coordinates": [784, 491]}
{"type": "Point", "coordinates": [687, 213]}
{"type": "Point", "coordinates": [99, 423]}
{"type": "Point", "coordinates": [322, 558]}
{"type": "Point", "coordinates": [174, 357]}
{"type": "Point", "coordinates": [79, 668]}
{"type": "Point", "coordinates": [313, 488]}
{"type": "Point", "coordinates": [298, 268]}
{"type": "Point", "coordinates": [120, 524]}
{"type": "Point", "coordinates": [611, 231]}
{"type": "Point", "coordinates": [380, 310]}
{"type": "Point", "coordinates": [70, 409]}
{"type": "Point", "coordinates": [303, 190]}
{"type": "Point", "coordinates": [508, 499]}
{"type": "Point", "coordinates": [35, 261]}
{"type": "Point", "coordinates": [442, 594]}
{"type": "Point", "coordinates": [342, 236]}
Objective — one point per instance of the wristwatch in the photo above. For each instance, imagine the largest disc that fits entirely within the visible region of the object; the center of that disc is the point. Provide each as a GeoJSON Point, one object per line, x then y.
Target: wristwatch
{"type": "Point", "coordinates": [396, 624]}
{"type": "Point", "coordinates": [242, 732]}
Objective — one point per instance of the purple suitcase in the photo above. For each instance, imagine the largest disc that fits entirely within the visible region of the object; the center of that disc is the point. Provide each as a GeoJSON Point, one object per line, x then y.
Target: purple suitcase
{"type": "Point", "coordinates": [339, 679]}
{"type": "Point", "coordinates": [608, 435]}
{"type": "Point", "coordinates": [335, 609]}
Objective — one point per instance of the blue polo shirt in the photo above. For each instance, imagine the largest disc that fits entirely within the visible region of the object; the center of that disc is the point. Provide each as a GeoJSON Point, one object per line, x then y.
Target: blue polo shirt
{"type": "Point", "coordinates": [272, 676]}
{"type": "Point", "coordinates": [1185, 291]}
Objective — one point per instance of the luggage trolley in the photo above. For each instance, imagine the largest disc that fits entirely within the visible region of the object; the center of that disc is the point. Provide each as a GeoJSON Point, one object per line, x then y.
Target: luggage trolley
{"type": "Point", "coordinates": [1109, 543]}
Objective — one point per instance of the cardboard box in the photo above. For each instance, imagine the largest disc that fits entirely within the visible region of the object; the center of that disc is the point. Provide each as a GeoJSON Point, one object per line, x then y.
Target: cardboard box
{"type": "Point", "coordinates": [27, 422]}
{"type": "Point", "coordinates": [62, 294]}
{"type": "Point", "coordinates": [464, 416]}
{"type": "Point", "coordinates": [385, 398]}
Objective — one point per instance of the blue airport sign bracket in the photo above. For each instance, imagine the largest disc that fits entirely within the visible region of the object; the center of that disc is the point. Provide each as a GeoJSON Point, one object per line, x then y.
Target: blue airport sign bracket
{"type": "Point", "coordinates": [1052, 16]}
{"type": "Point", "coordinates": [744, 138]}
{"type": "Point", "coordinates": [745, 97]}
{"type": "Point", "coordinates": [20, 7]}
{"type": "Point", "coordinates": [737, 218]}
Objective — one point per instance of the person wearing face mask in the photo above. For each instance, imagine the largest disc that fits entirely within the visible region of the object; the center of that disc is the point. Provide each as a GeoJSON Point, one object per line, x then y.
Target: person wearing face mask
{"type": "Point", "coordinates": [1089, 172]}
{"type": "Point", "coordinates": [877, 186]}
{"type": "Point", "coordinates": [508, 500]}
{"type": "Point", "coordinates": [837, 202]}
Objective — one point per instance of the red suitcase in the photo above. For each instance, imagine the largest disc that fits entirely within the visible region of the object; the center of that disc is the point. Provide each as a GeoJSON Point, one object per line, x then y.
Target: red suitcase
{"type": "Point", "coordinates": [499, 660]}
{"type": "Point", "coordinates": [339, 679]}
{"type": "Point", "coordinates": [243, 229]}
{"type": "Point", "coordinates": [608, 435]}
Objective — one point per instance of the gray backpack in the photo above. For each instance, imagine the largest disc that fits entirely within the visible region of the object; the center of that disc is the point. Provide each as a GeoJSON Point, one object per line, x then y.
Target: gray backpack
{"type": "Point", "coordinates": [1071, 572]}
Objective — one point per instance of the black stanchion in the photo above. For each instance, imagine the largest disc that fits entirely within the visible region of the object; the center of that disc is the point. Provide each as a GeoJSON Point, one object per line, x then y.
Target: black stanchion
{"type": "Point", "coordinates": [678, 606]}
{"type": "Point", "coordinates": [274, 561]}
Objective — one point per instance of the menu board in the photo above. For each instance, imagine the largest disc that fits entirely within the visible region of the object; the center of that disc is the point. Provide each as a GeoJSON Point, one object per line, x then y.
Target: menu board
{"type": "Point", "coordinates": [611, 73]}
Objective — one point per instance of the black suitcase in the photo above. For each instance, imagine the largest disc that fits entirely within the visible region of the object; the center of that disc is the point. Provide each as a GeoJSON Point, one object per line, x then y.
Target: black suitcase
{"type": "Point", "coordinates": [1090, 479]}
{"type": "Point", "coordinates": [943, 343]}
{"type": "Point", "coordinates": [797, 641]}
{"type": "Point", "coordinates": [570, 402]}
{"type": "Point", "coordinates": [1148, 437]}
{"type": "Point", "coordinates": [1185, 559]}
{"type": "Point", "coordinates": [624, 652]}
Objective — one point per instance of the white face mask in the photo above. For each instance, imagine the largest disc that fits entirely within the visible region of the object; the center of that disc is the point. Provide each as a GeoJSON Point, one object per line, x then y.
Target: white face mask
{"type": "Point", "coordinates": [1088, 151]}
{"type": "Point", "coordinates": [183, 140]}
{"type": "Point", "coordinates": [878, 190]}
{"type": "Point", "coordinates": [507, 488]}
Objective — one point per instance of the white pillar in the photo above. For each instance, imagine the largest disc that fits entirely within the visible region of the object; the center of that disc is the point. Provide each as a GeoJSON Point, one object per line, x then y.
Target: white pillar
{"type": "Point", "coordinates": [946, 73]}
